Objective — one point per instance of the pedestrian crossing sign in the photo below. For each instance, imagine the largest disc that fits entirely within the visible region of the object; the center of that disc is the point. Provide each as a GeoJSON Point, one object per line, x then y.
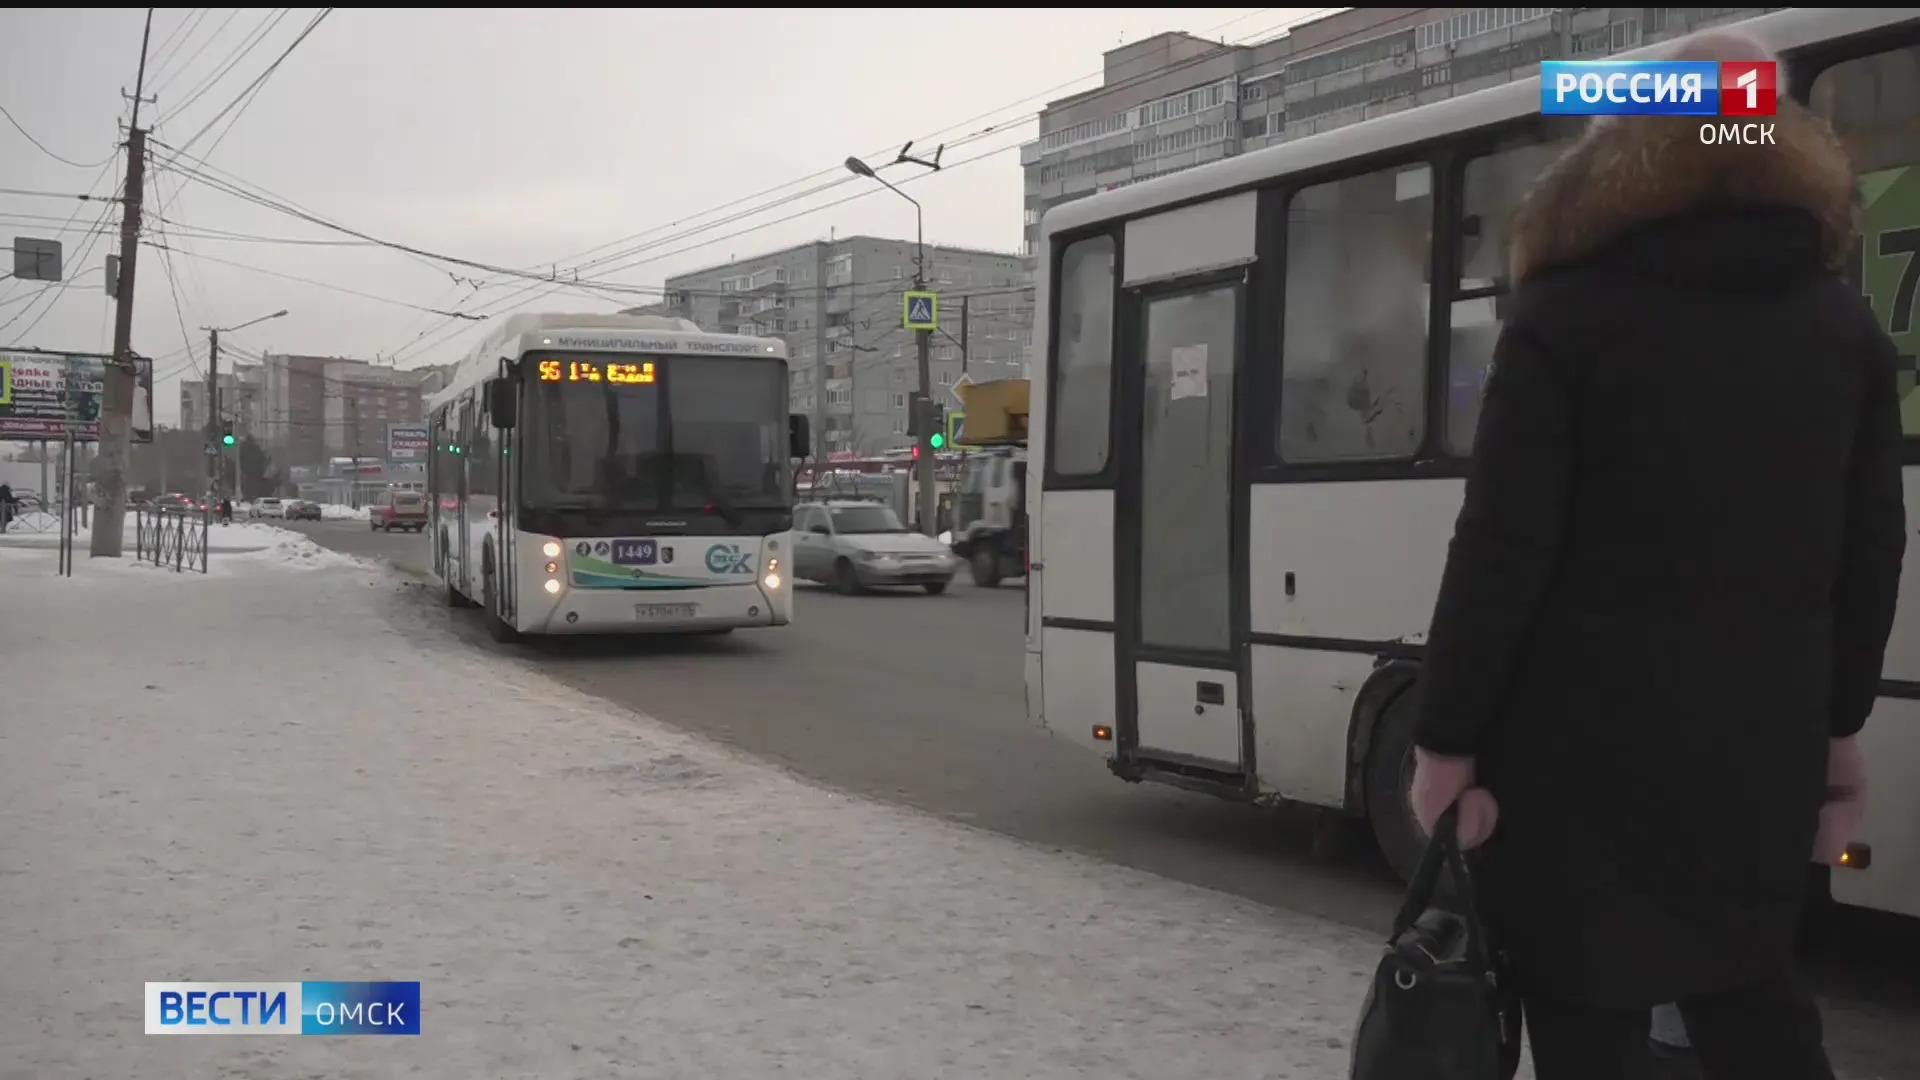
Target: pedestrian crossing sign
{"type": "Point", "coordinates": [922, 311]}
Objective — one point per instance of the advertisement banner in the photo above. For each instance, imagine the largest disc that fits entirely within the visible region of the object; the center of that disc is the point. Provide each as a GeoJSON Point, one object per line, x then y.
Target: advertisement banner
{"type": "Point", "coordinates": [47, 395]}
{"type": "Point", "coordinates": [406, 442]}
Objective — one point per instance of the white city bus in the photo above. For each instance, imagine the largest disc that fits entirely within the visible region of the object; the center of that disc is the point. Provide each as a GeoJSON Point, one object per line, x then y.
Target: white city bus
{"type": "Point", "coordinates": [596, 474]}
{"type": "Point", "coordinates": [1261, 380]}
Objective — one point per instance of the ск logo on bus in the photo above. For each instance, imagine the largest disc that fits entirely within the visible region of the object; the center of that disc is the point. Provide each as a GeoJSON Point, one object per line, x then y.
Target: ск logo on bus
{"type": "Point", "coordinates": [729, 559]}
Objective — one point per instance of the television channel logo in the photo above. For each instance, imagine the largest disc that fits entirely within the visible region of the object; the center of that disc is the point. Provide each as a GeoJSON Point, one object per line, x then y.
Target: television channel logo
{"type": "Point", "coordinates": [285, 1008]}
{"type": "Point", "coordinates": [1659, 88]}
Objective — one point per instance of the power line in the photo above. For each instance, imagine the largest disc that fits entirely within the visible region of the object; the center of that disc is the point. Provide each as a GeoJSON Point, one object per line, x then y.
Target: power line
{"type": "Point", "coordinates": [259, 33]}
{"type": "Point", "coordinates": [168, 78]}
{"type": "Point", "coordinates": [309, 281]}
{"type": "Point", "coordinates": [240, 102]}
{"type": "Point", "coordinates": [28, 135]}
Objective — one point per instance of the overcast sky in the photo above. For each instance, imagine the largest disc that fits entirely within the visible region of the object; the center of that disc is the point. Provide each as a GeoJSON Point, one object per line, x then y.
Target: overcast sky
{"type": "Point", "coordinates": [511, 138]}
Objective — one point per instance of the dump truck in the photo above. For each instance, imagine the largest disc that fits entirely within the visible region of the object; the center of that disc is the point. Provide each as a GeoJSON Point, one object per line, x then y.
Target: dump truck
{"type": "Point", "coordinates": [990, 514]}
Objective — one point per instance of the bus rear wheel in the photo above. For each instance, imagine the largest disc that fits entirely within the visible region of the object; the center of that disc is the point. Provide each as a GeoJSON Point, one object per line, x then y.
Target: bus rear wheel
{"type": "Point", "coordinates": [1389, 782]}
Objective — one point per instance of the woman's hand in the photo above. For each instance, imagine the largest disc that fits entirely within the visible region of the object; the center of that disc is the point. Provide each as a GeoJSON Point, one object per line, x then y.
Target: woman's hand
{"type": "Point", "coordinates": [1440, 782]}
{"type": "Point", "coordinates": [1846, 801]}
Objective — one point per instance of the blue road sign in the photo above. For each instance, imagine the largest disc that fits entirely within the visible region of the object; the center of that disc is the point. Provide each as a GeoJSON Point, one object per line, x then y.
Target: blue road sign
{"type": "Point", "coordinates": [922, 311]}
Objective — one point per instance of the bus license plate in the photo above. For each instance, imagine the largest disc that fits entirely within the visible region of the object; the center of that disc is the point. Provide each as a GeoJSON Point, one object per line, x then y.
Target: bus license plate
{"type": "Point", "coordinates": [652, 612]}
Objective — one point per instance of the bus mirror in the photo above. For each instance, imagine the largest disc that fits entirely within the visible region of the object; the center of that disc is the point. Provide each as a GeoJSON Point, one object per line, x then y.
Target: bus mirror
{"type": "Point", "coordinates": [500, 403]}
{"type": "Point", "coordinates": [799, 435]}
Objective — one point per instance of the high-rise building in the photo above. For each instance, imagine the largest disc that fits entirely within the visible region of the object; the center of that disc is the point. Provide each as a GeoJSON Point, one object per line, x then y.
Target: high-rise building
{"type": "Point", "coordinates": [315, 408]}
{"type": "Point", "coordinates": [838, 304]}
{"type": "Point", "coordinates": [1174, 101]}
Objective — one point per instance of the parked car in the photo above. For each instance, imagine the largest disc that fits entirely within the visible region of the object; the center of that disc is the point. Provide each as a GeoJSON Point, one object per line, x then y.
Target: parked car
{"type": "Point", "coordinates": [392, 510]}
{"type": "Point", "coordinates": [855, 546]}
{"type": "Point", "coordinates": [268, 508]}
{"type": "Point", "coordinates": [301, 510]}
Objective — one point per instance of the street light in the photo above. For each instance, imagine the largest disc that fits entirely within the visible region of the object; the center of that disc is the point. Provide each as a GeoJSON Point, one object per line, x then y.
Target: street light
{"type": "Point", "coordinates": [218, 435]}
{"type": "Point", "coordinates": [230, 329]}
{"type": "Point", "coordinates": [861, 168]}
{"type": "Point", "coordinates": [923, 475]}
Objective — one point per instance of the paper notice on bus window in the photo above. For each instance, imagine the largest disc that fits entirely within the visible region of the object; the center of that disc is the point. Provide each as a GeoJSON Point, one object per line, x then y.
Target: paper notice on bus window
{"type": "Point", "coordinates": [1189, 372]}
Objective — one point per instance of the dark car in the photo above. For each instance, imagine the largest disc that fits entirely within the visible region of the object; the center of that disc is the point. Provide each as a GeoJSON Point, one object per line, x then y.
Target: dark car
{"type": "Point", "coordinates": [303, 511]}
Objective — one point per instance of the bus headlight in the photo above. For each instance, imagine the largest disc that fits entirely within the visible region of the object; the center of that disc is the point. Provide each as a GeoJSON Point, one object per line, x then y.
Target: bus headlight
{"type": "Point", "coordinates": [772, 578]}
{"type": "Point", "coordinates": [553, 568]}
{"type": "Point", "coordinates": [553, 585]}
{"type": "Point", "coordinates": [551, 549]}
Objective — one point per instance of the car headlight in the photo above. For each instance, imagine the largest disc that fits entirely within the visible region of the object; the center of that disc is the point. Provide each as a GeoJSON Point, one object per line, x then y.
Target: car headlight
{"type": "Point", "coordinates": [867, 556]}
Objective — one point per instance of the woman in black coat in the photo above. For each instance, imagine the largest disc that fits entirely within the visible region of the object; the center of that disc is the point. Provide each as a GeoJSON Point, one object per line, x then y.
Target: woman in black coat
{"type": "Point", "coordinates": [1669, 591]}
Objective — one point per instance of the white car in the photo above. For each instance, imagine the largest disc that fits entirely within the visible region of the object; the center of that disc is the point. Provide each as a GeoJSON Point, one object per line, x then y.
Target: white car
{"type": "Point", "coordinates": [854, 546]}
{"type": "Point", "coordinates": [267, 508]}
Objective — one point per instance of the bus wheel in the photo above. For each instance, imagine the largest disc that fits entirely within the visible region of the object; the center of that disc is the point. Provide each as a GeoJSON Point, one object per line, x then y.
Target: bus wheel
{"type": "Point", "coordinates": [1389, 780]}
{"type": "Point", "coordinates": [985, 565]}
{"type": "Point", "coordinates": [497, 628]}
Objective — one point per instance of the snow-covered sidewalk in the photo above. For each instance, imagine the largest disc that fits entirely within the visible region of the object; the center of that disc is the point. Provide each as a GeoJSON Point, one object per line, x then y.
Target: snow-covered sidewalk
{"type": "Point", "coordinates": [238, 781]}
{"type": "Point", "coordinates": [43, 531]}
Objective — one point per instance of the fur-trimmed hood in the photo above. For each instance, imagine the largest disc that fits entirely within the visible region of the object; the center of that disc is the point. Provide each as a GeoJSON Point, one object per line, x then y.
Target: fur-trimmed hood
{"type": "Point", "coordinates": [1626, 172]}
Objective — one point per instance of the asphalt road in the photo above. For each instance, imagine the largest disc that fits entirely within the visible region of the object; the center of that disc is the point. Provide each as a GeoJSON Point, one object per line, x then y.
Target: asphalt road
{"type": "Point", "coordinates": [920, 700]}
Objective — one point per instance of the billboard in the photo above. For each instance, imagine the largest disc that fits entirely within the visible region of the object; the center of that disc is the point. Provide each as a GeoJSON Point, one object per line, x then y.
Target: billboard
{"type": "Point", "coordinates": [46, 395]}
{"type": "Point", "coordinates": [406, 442]}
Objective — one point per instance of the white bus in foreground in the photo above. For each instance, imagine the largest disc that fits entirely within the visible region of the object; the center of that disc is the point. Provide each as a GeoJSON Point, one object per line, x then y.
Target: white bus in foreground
{"type": "Point", "coordinates": [613, 474]}
{"type": "Point", "coordinates": [1260, 385]}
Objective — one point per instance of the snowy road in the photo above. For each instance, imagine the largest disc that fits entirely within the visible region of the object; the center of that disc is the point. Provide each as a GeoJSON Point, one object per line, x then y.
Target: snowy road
{"type": "Point", "coordinates": [269, 781]}
{"type": "Point", "coordinates": [919, 699]}
{"type": "Point", "coordinates": [852, 698]}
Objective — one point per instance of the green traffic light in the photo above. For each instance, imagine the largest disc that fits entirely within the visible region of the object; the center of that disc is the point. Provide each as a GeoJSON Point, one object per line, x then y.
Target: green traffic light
{"type": "Point", "coordinates": [226, 440]}
{"type": "Point", "coordinates": [937, 441]}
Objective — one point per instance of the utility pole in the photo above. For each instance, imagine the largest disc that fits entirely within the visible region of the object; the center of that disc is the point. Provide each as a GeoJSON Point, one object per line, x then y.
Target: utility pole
{"type": "Point", "coordinates": [820, 447]}
{"type": "Point", "coordinates": [116, 404]}
{"type": "Point", "coordinates": [963, 334]}
{"type": "Point", "coordinates": [353, 443]}
{"type": "Point", "coordinates": [213, 412]}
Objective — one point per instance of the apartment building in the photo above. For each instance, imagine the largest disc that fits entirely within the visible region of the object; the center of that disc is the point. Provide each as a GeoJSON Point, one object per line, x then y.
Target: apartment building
{"type": "Point", "coordinates": [1175, 101]}
{"type": "Point", "coordinates": [241, 394]}
{"type": "Point", "coordinates": [315, 408]}
{"type": "Point", "coordinates": [838, 305]}
{"type": "Point", "coordinates": [359, 401]}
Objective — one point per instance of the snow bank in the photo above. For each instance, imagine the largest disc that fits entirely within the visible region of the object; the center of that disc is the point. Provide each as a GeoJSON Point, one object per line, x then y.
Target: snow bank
{"type": "Point", "coordinates": [296, 552]}
{"type": "Point", "coordinates": [336, 512]}
{"type": "Point", "coordinates": [242, 546]}
{"type": "Point", "coordinates": [583, 891]}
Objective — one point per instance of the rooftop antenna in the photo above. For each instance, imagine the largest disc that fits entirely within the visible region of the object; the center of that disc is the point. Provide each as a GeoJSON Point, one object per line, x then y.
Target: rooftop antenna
{"type": "Point", "coordinates": [908, 159]}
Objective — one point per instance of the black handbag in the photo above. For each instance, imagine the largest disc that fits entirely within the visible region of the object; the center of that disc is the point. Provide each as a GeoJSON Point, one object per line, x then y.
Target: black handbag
{"type": "Point", "coordinates": [1441, 1007]}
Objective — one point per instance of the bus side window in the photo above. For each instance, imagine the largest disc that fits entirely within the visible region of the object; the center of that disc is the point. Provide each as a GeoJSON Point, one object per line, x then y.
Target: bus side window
{"type": "Point", "coordinates": [1353, 361]}
{"type": "Point", "coordinates": [1082, 388]}
{"type": "Point", "coordinates": [1873, 102]}
{"type": "Point", "coordinates": [1494, 184]}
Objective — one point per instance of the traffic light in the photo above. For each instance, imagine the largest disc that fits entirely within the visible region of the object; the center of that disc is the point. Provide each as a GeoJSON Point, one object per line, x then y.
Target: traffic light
{"type": "Point", "coordinates": [226, 435]}
{"type": "Point", "coordinates": [916, 452]}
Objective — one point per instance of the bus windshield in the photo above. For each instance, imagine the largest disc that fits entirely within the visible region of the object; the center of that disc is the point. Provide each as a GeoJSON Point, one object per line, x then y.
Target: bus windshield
{"type": "Point", "coordinates": [706, 431]}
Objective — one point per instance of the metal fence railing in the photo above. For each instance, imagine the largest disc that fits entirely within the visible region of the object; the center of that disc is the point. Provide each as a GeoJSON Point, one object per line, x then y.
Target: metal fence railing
{"type": "Point", "coordinates": [172, 539]}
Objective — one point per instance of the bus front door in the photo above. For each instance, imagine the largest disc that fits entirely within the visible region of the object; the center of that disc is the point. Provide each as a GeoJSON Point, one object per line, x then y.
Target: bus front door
{"type": "Point", "coordinates": [1179, 678]}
